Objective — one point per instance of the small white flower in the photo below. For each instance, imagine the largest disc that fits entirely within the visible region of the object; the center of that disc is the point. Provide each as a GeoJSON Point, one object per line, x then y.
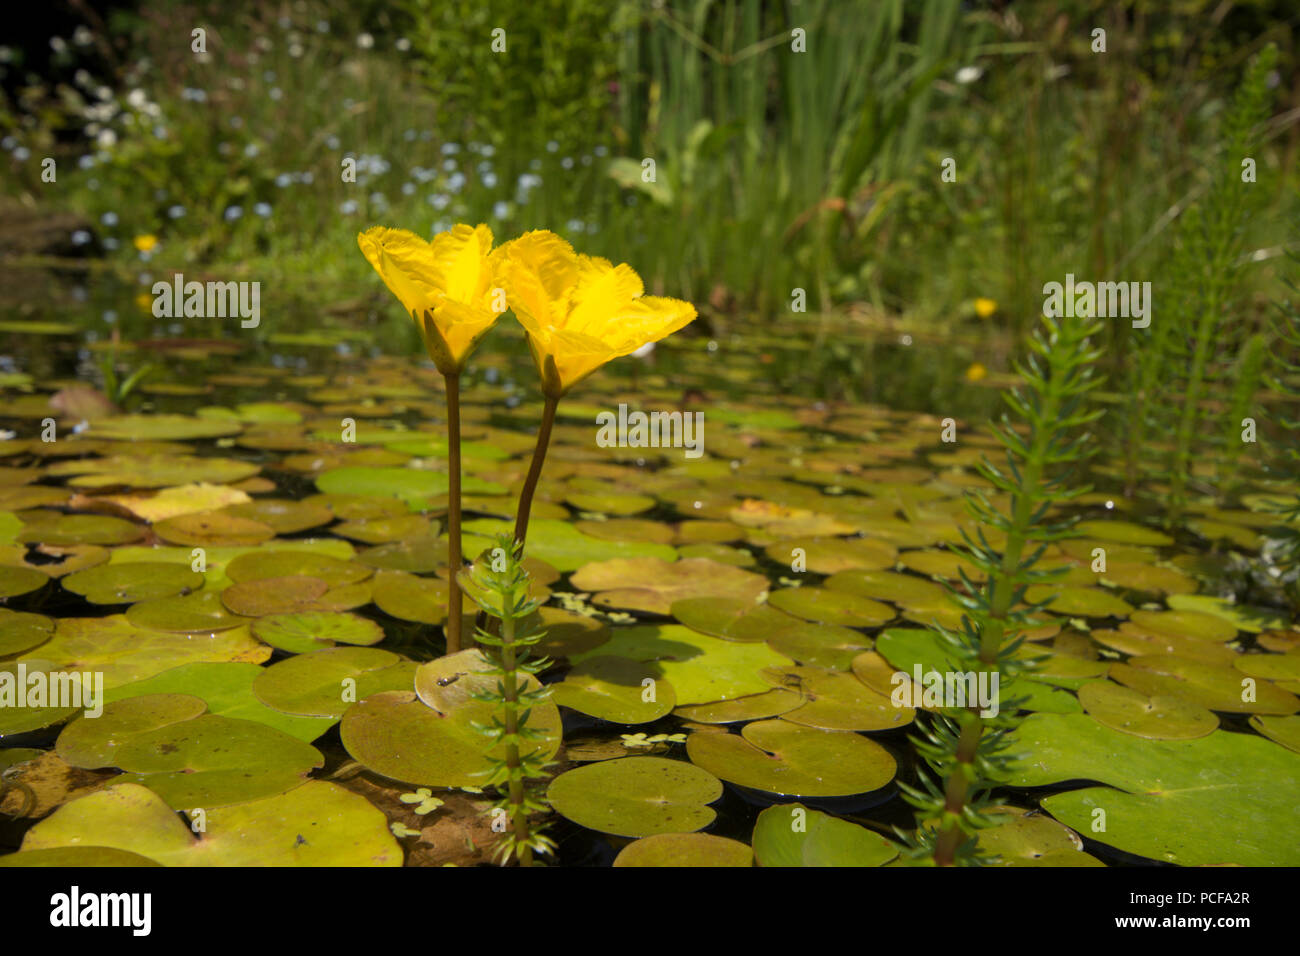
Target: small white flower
{"type": "Point", "coordinates": [106, 139]}
{"type": "Point", "coordinates": [969, 74]}
{"type": "Point", "coordinates": [365, 41]}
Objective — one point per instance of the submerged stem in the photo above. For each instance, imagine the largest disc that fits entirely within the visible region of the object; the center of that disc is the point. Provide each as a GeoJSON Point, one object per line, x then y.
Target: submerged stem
{"type": "Point", "coordinates": [454, 557]}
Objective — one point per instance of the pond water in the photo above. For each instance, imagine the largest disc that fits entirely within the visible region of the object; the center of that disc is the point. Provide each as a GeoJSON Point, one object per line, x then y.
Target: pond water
{"type": "Point", "coordinates": [304, 464]}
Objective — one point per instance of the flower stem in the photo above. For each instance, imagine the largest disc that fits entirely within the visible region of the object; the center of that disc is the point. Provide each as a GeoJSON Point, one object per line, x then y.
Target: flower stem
{"type": "Point", "coordinates": [535, 470]}
{"type": "Point", "coordinates": [454, 557]}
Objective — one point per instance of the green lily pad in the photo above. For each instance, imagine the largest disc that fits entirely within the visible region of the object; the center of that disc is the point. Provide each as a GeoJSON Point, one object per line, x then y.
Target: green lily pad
{"type": "Point", "coordinates": [566, 633]}
{"type": "Point", "coordinates": [833, 700]}
{"type": "Point", "coordinates": [636, 796]}
{"type": "Point", "coordinates": [780, 757]}
{"type": "Point", "coordinates": [411, 598]}
{"type": "Point", "coordinates": [276, 563]}
{"type": "Point", "coordinates": [1033, 839]}
{"type": "Point", "coordinates": [201, 611]}
{"type": "Point", "coordinates": [827, 555]}
{"type": "Point", "coordinates": [1151, 578]}
{"type": "Point", "coordinates": [1213, 686]}
{"type": "Point", "coordinates": [124, 653]}
{"type": "Point", "coordinates": [611, 503]}
{"type": "Point", "coordinates": [905, 590]}
{"type": "Point", "coordinates": [611, 688]}
{"type": "Point", "coordinates": [1136, 641]}
{"type": "Point", "coordinates": [282, 516]}
{"type": "Point", "coordinates": [771, 703]}
{"type": "Point", "coordinates": [152, 471]}
{"type": "Point", "coordinates": [309, 631]}
{"type": "Point", "coordinates": [213, 761]}
{"type": "Point", "coordinates": [733, 619]}
{"type": "Point", "coordinates": [1189, 623]}
{"type": "Point", "coordinates": [93, 742]}
{"type": "Point", "coordinates": [1080, 602]}
{"type": "Point", "coordinates": [653, 584]}
{"type": "Point", "coordinates": [386, 530]}
{"type": "Point", "coordinates": [213, 529]}
{"type": "Point", "coordinates": [1280, 730]}
{"type": "Point", "coordinates": [566, 548]}
{"type": "Point", "coordinates": [128, 583]}
{"type": "Point", "coordinates": [315, 824]}
{"type": "Point", "coordinates": [15, 719]}
{"type": "Point", "coordinates": [627, 529]}
{"type": "Point", "coordinates": [20, 631]}
{"type": "Point", "coordinates": [1222, 799]}
{"type": "Point", "coordinates": [273, 596]}
{"type": "Point", "coordinates": [1123, 532]}
{"type": "Point", "coordinates": [699, 668]}
{"type": "Point", "coordinates": [831, 607]}
{"type": "Point", "coordinates": [1274, 667]}
{"type": "Point", "coordinates": [77, 856]}
{"type": "Point", "coordinates": [430, 739]}
{"type": "Point", "coordinates": [1242, 617]}
{"type": "Point", "coordinates": [1156, 718]}
{"type": "Point", "coordinates": [227, 689]}
{"type": "Point", "coordinates": [161, 428]}
{"type": "Point", "coordinates": [67, 530]}
{"type": "Point", "coordinates": [325, 683]}
{"type": "Point", "coordinates": [792, 835]}
{"type": "Point", "coordinates": [685, 849]}
{"type": "Point", "coordinates": [416, 487]}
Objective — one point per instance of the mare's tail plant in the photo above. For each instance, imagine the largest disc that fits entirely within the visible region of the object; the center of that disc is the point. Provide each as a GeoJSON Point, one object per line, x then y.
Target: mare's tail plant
{"type": "Point", "coordinates": [965, 751]}
{"type": "Point", "coordinates": [499, 583]}
{"type": "Point", "coordinates": [1285, 380]}
{"type": "Point", "coordinates": [1206, 283]}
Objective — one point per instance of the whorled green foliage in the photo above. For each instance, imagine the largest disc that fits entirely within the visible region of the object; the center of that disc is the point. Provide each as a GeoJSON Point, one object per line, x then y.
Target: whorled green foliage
{"type": "Point", "coordinates": [499, 584]}
{"type": "Point", "coordinates": [1247, 376]}
{"type": "Point", "coordinates": [1285, 380]}
{"type": "Point", "coordinates": [966, 753]}
{"type": "Point", "coordinates": [1203, 285]}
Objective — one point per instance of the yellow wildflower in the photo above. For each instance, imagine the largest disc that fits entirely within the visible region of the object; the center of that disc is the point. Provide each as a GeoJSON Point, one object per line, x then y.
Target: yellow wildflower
{"type": "Point", "coordinates": [985, 307]}
{"type": "Point", "coordinates": [580, 311]}
{"type": "Point", "coordinates": [445, 285]}
{"type": "Point", "coordinates": [976, 372]}
{"type": "Point", "coordinates": [146, 243]}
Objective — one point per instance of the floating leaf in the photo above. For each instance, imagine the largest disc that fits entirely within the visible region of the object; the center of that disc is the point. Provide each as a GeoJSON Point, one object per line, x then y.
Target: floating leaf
{"type": "Point", "coordinates": [93, 742]}
{"type": "Point", "coordinates": [1224, 798]}
{"type": "Point", "coordinates": [566, 548]}
{"type": "Point", "coordinates": [652, 584]}
{"type": "Point", "coordinates": [831, 607]}
{"type": "Point", "coordinates": [636, 796]}
{"type": "Point", "coordinates": [792, 835]}
{"type": "Point", "coordinates": [780, 757]}
{"type": "Point", "coordinates": [324, 683]}
{"type": "Point", "coordinates": [309, 631]}
{"type": "Point", "coordinates": [315, 824]}
{"type": "Point", "coordinates": [1156, 718]}
{"type": "Point", "coordinates": [611, 688]}
{"type": "Point", "coordinates": [699, 668]}
{"type": "Point", "coordinates": [128, 583]}
{"type": "Point", "coordinates": [685, 849]}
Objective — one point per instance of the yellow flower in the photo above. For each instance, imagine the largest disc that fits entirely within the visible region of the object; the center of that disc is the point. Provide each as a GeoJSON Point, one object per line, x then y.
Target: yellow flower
{"type": "Point", "coordinates": [146, 243]}
{"type": "Point", "coordinates": [976, 372]}
{"type": "Point", "coordinates": [580, 311]}
{"type": "Point", "coordinates": [985, 307]}
{"type": "Point", "coordinates": [445, 285]}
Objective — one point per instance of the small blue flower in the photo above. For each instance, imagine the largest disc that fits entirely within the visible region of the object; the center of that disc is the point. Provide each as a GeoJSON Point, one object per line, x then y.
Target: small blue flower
{"type": "Point", "coordinates": [456, 182]}
{"type": "Point", "coordinates": [438, 201]}
{"type": "Point", "coordinates": [408, 189]}
{"type": "Point", "coordinates": [500, 210]}
{"type": "Point", "coordinates": [109, 219]}
{"type": "Point", "coordinates": [332, 141]}
{"type": "Point", "coordinates": [348, 207]}
{"type": "Point", "coordinates": [449, 165]}
{"type": "Point", "coordinates": [262, 209]}
{"type": "Point", "coordinates": [80, 237]}
{"type": "Point", "coordinates": [110, 316]}
{"type": "Point", "coordinates": [232, 213]}
{"type": "Point", "coordinates": [283, 180]}
{"type": "Point", "coordinates": [176, 212]}
{"type": "Point", "coordinates": [490, 180]}
{"type": "Point", "coordinates": [450, 149]}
